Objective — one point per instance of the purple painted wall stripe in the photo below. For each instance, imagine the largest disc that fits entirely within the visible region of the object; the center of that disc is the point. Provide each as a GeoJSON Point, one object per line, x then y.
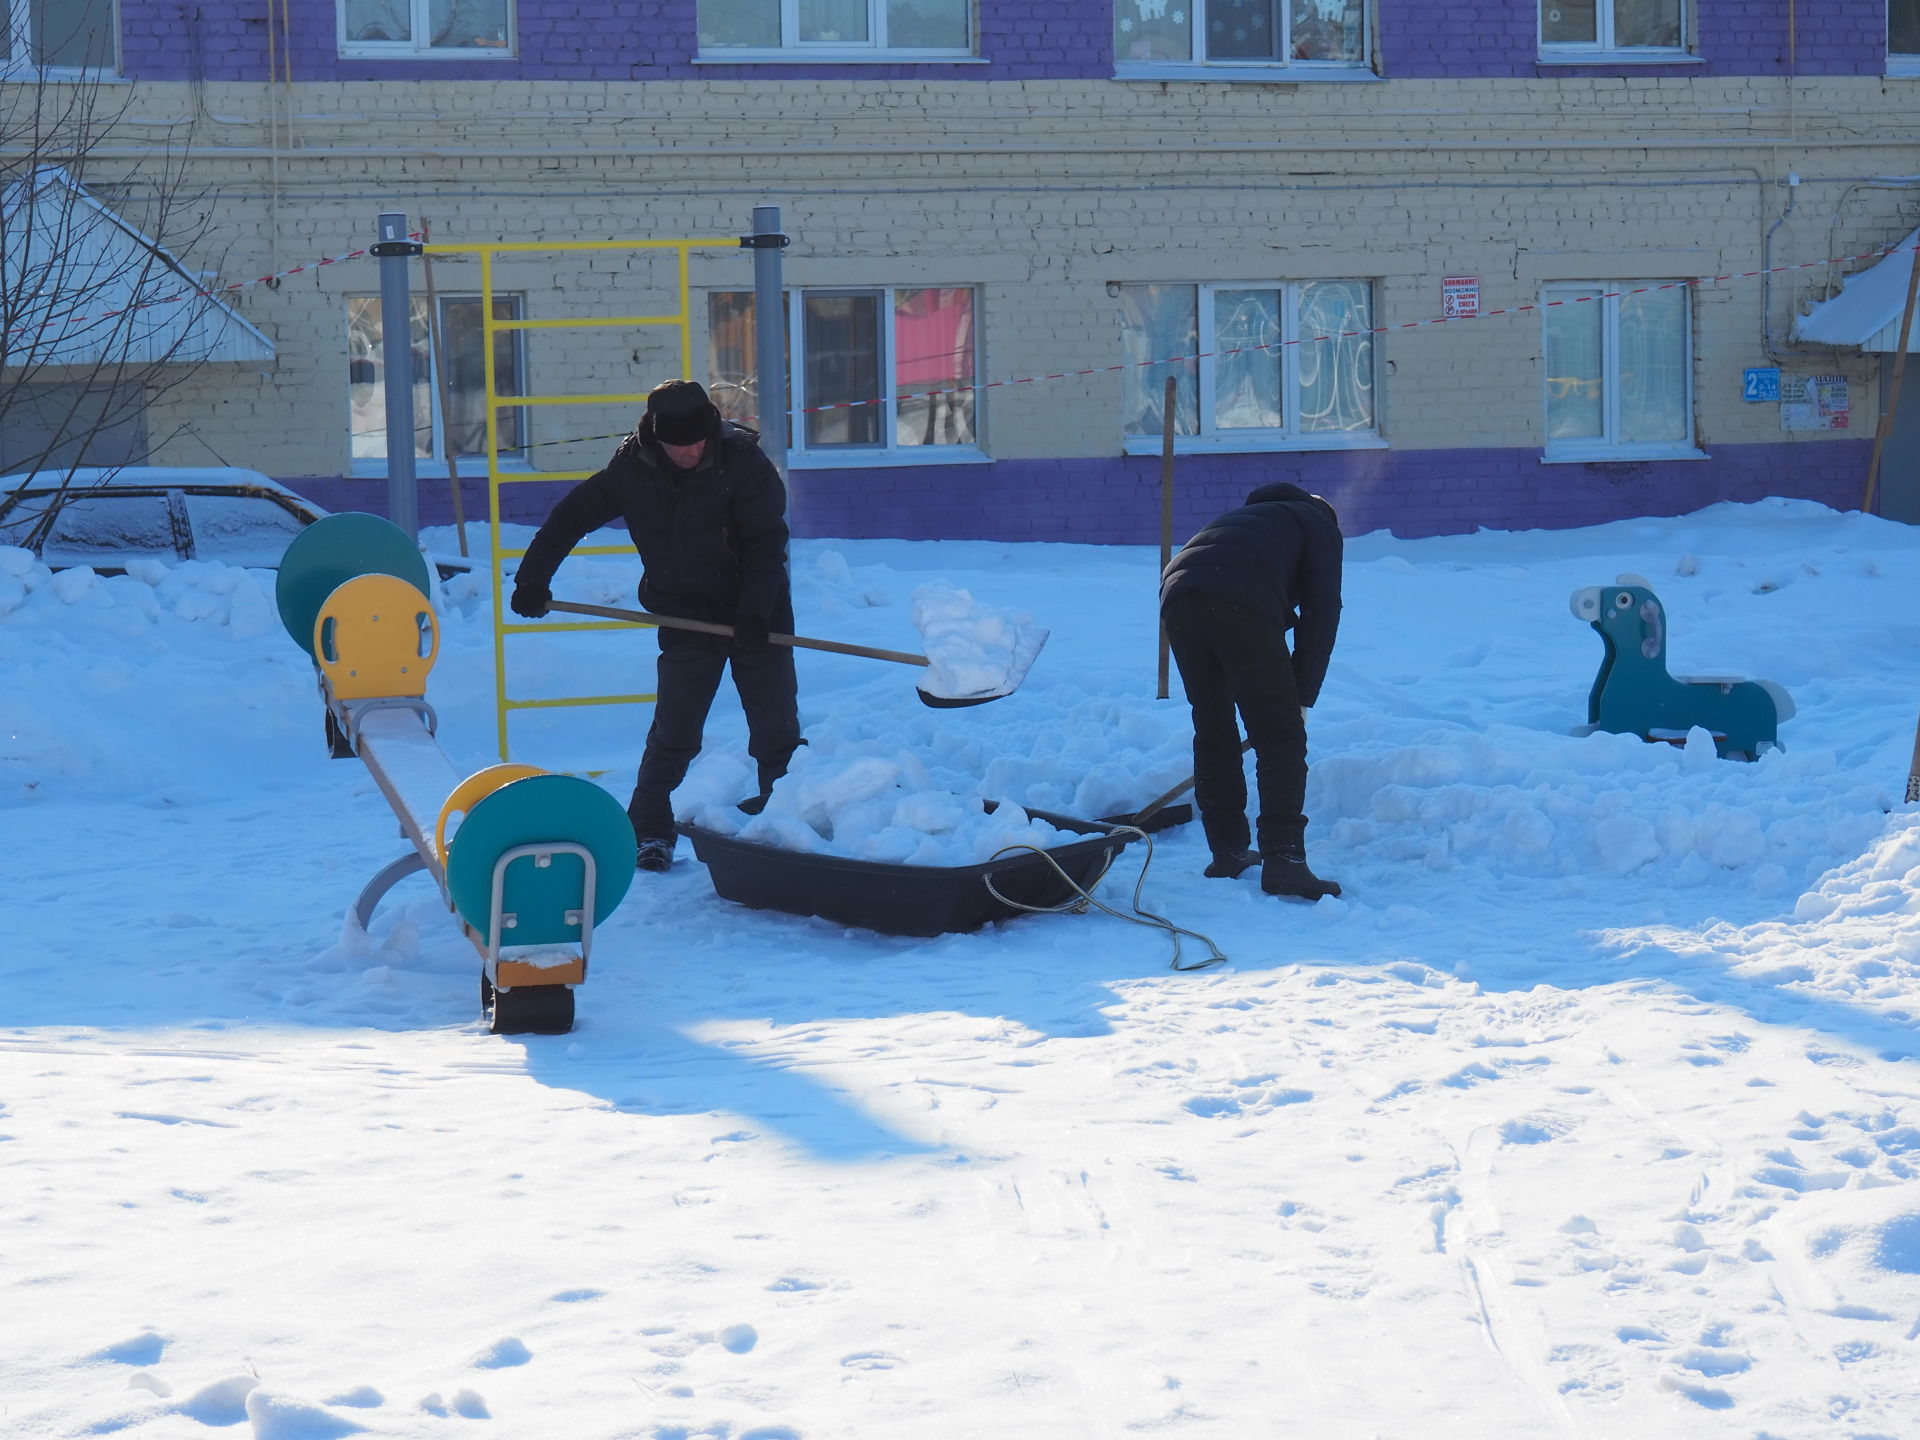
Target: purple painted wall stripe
{"type": "Point", "coordinates": [1117, 501]}
{"type": "Point", "coordinates": [1019, 40]}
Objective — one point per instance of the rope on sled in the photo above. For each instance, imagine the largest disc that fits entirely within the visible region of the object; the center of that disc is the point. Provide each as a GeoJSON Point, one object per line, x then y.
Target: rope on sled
{"type": "Point", "coordinates": [1084, 898]}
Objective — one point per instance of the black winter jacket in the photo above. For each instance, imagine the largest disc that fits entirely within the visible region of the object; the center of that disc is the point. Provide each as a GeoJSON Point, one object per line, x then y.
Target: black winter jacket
{"type": "Point", "coordinates": [712, 540]}
{"type": "Point", "coordinates": [1278, 556]}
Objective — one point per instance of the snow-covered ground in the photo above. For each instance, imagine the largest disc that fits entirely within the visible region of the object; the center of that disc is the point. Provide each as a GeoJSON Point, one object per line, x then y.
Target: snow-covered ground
{"type": "Point", "coordinates": [1592, 1110]}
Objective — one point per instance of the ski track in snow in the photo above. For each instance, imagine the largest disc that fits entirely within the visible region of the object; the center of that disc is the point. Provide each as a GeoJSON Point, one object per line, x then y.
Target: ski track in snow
{"type": "Point", "coordinates": [1591, 1111]}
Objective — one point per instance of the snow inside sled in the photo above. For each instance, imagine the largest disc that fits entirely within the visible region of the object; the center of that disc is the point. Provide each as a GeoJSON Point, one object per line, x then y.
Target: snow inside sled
{"type": "Point", "coordinates": [904, 899]}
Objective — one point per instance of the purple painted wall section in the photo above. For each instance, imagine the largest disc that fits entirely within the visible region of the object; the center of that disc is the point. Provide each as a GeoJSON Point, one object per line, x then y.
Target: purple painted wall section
{"type": "Point", "coordinates": [1736, 37]}
{"type": "Point", "coordinates": [1019, 40]}
{"type": "Point", "coordinates": [1117, 501]}
{"type": "Point", "coordinates": [591, 40]}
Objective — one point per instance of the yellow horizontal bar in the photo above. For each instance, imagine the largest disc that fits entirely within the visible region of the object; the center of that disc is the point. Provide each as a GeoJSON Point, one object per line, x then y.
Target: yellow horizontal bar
{"type": "Point", "coordinates": [497, 247]}
{"type": "Point", "coordinates": [514, 402]}
{"type": "Point", "coordinates": [522, 477]}
{"type": "Point", "coordinates": [580, 700]}
{"type": "Point", "coordinates": [610, 320]}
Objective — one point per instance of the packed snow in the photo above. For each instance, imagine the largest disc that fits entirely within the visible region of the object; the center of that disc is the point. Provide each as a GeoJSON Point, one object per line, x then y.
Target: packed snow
{"type": "Point", "coordinates": [974, 650]}
{"type": "Point", "coordinates": [1590, 1110]}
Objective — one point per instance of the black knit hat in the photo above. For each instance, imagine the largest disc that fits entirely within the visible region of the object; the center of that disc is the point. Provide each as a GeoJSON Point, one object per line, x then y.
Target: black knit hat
{"type": "Point", "coordinates": [681, 412]}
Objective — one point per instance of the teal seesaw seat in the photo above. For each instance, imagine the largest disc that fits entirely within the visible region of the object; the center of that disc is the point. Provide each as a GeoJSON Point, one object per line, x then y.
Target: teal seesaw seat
{"type": "Point", "coordinates": [1634, 695]}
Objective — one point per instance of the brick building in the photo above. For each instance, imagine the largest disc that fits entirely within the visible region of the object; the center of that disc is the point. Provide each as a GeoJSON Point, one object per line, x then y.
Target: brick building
{"type": "Point", "coordinates": [987, 191]}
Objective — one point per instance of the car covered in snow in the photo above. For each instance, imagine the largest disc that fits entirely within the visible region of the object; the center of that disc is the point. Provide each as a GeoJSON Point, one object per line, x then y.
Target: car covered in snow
{"type": "Point", "coordinates": [107, 517]}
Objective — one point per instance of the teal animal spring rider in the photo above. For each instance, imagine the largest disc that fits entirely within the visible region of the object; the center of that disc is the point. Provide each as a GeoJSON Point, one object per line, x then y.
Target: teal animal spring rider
{"type": "Point", "coordinates": [529, 863]}
{"type": "Point", "coordinates": [1634, 695]}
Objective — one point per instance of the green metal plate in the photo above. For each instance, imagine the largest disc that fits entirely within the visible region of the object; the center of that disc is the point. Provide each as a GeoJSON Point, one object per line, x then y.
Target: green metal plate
{"type": "Point", "coordinates": [336, 549]}
{"type": "Point", "coordinates": [539, 808]}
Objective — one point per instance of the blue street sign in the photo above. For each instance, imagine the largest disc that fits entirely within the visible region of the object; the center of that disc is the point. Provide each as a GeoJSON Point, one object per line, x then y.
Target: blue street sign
{"type": "Point", "coordinates": [1762, 383]}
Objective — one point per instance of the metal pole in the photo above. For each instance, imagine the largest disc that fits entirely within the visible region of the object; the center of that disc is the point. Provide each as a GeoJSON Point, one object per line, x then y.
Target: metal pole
{"type": "Point", "coordinates": [1166, 512]}
{"type": "Point", "coordinates": [396, 353]}
{"type": "Point", "coordinates": [770, 333]}
{"type": "Point", "coordinates": [437, 358]}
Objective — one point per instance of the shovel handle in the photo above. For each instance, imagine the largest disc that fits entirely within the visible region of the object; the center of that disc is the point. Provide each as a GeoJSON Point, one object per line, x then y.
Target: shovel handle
{"type": "Point", "coordinates": [709, 627]}
{"type": "Point", "coordinates": [1155, 806]}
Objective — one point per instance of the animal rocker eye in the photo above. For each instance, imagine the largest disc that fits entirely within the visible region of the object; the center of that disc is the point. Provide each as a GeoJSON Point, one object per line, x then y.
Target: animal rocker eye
{"type": "Point", "coordinates": [1623, 601]}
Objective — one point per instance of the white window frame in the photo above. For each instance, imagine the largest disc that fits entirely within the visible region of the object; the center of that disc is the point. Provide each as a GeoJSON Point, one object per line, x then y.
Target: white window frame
{"type": "Point", "coordinates": [1604, 49]}
{"type": "Point", "coordinates": [1247, 440]}
{"type": "Point", "coordinates": [1200, 68]}
{"type": "Point", "coordinates": [18, 16]}
{"type": "Point", "coordinates": [475, 464]}
{"type": "Point", "coordinates": [1900, 63]}
{"type": "Point", "coordinates": [418, 48]}
{"type": "Point", "coordinates": [889, 454]}
{"type": "Point", "coordinates": [792, 50]}
{"type": "Point", "coordinates": [1606, 446]}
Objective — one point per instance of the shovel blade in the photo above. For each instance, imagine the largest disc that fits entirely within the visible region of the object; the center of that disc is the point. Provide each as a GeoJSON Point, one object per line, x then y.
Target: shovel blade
{"type": "Point", "coordinates": [1019, 662]}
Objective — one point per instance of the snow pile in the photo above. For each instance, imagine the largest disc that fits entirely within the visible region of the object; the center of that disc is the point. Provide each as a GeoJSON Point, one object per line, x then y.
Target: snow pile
{"type": "Point", "coordinates": [972, 649]}
{"type": "Point", "coordinates": [881, 807]}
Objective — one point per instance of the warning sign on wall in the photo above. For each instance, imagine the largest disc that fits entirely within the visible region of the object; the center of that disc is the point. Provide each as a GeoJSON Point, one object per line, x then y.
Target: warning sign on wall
{"type": "Point", "coordinates": [1460, 296]}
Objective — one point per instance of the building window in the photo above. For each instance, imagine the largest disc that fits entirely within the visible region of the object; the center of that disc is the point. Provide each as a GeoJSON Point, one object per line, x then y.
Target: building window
{"type": "Point", "coordinates": [1619, 370]}
{"type": "Point", "coordinates": [821, 29]}
{"type": "Point", "coordinates": [1302, 33]}
{"type": "Point", "coordinates": [394, 29]}
{"type": "Point", "coordinates": [1585, 30]}
{"type": "Point", "coordinates": [462, 425]}
{"type": "Point", "coordinates": [1903, 36]}
{"type": "Point", "coordinates": [886, 371]}
{"type": "Point", "coordinates": [1287, 366]}
{"type": "Point", "coordinates": [75, 35]}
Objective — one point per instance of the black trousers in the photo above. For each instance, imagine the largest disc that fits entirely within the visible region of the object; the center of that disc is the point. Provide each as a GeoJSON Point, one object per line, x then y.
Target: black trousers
{"type": "Point", "coordinates": [1232, 659]}
{"type": "Point", "coordinates": [688, 678]}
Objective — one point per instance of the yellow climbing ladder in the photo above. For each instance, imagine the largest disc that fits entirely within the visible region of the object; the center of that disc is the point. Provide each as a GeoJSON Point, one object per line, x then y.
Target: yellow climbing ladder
{"type": "Point", "coordinates": [504, 703]}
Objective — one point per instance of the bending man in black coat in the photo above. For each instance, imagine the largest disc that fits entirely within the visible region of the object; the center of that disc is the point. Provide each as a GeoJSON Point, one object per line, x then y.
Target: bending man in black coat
{"type": "Point", "coordinates": [708, 514]}
{"type": "Point", "coordinates": [1228, 599]}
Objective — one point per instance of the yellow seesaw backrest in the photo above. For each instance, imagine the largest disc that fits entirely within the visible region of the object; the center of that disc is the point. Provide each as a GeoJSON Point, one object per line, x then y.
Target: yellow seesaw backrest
{"type": "Point", "coordinates": [376, 636]}
{"type": "Point", "coordinates": [471, 791]}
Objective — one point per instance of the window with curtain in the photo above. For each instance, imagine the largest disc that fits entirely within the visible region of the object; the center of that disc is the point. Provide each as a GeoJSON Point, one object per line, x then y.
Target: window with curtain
{"type": "Point", "coordinates": [1579, 29]}
{"type": "Point", "coordinates": [1618, 369]}
{"type": "Point", "coordinates": [934, 29]}
{"type": "Point", "coordinates": [884, 370]}
{"type": "Point", "coordinates": [61, 34]}
{"type": "Point", "coordinates": [1239, 32]}
{"type": "Point", "coordinates": [1253, 364]}
{"type": "Point", "coordinates": [471, 29]}
{"type": "Point", "coordinates": [460, 429]}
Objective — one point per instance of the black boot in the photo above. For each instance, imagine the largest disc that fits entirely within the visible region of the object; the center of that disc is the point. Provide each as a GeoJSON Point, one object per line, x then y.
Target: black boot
{"type": "Point", "coordinates": [1285, 872]}
{"type": "Point", "coordinates": [653, 852]}
{"type": "Point", "coordinates": [1231, 864]}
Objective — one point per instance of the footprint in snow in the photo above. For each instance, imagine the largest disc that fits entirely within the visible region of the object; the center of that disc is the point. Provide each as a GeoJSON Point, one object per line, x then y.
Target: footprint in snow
{"type": "Point", "coordinates": [871, 1360]}
{"type": "Point", "coordinates": [502, 1354]}
{"type": "Point", "coordinates": [465, 1403]}
{"type": "Point", "coordinates": [143, 1349]}
{"type": "Point", "coordinates": [738, 1339]}
{"type": "Point", "coordinates": [286, 1417]}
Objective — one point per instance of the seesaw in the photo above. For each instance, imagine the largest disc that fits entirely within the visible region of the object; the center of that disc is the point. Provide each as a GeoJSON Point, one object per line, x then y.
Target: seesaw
{"type": "Point", "coordinates": [1634, 695]}
{"type": "Point", "coordinates": [536, 861]}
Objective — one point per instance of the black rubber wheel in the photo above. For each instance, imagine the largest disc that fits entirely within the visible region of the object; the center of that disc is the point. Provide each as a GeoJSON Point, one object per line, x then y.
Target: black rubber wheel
{"type": "Point", "coordinates": [338, 747]}
{"type": "Point", "coordinates": [533, 1010]}
{"type": "Point", "coordinates": [486, 993]}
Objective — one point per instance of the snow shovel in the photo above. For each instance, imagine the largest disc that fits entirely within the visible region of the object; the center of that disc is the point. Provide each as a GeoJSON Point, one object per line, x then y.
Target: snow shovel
{"type": "Point", "coordinates": [1002, 686]}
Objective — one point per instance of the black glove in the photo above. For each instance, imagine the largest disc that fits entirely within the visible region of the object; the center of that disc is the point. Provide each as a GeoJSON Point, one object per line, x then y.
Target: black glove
{"type": "Point", "coordinates": [530, 598]}
{"type": "Point", "coordinates": [749, 629]}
